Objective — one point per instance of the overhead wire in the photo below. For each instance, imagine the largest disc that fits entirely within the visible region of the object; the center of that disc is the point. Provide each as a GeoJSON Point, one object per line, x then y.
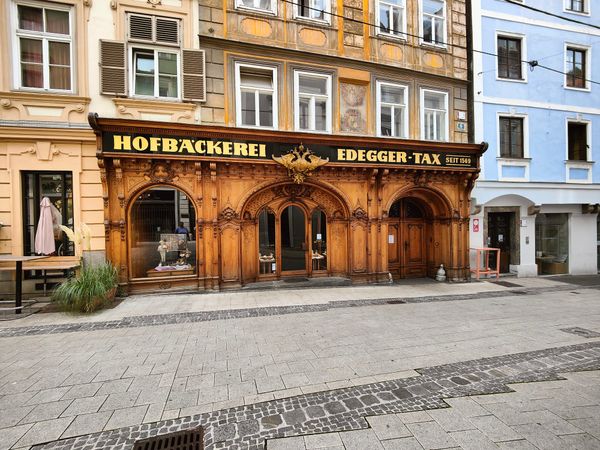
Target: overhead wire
{"type": "Point", "coordinates": [548, 13]}
{"type": "Point", "coordinates": [531, 63]}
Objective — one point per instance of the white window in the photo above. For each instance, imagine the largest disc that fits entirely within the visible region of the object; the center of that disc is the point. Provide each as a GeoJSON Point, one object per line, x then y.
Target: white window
{"type": "Point", "coordinates": [392, 114]}
{"type": "Point", "coordinates": [256, 96]}
{"type": "Point", "coordinates": [577, 6]}
{"type": "Point", "coordinates": [44, 38]}
{"type": "Point", "coordinates": [433, 21]}
{"type": "Point", "coordinates": [434, 115]}
{"type": "Point", "coordinates": [577, 67]}
{"type": "Point", "coordinates": [312, 102]}
{"type": "Point", "coordinates": [269, 6]}
{"type": "Point", "coordinates": [314, 9]}
{"type": "Point", "coordinates": [391, 16]}
{"type": "Point", "coordinates": [155, 73]}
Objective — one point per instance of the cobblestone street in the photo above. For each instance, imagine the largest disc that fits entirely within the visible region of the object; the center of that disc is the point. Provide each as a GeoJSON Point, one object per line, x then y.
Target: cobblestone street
{"type": "Point", "coordinates": [483, 366]}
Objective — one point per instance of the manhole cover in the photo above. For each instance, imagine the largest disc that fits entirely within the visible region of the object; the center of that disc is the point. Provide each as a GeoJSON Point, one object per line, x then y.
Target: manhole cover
{"type": "Point", "coordinates": [583, 332]}
{"type": "Point", "coordinates": [182, 440]}
{"type": "Point", "coordinates": [395, 302]}
{"type": "Point", "coordinates": [507, 284]}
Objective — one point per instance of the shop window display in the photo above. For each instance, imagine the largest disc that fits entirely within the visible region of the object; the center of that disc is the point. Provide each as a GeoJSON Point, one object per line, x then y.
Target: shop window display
{"type": "Point", "coordinates": [319, 240]}
{"type": "Point", "coordinates": [163, 234]}
{"type": "Point", "coordinates": [552, 243]}
{"type": "Point", "coordinates": [266, 238]}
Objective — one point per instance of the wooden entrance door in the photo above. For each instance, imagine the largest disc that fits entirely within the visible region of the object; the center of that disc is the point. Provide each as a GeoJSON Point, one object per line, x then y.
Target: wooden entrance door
{"type": "Point", "coordinates": [292, 240]}
{"type": "Point", "coordinates": [407, 240]}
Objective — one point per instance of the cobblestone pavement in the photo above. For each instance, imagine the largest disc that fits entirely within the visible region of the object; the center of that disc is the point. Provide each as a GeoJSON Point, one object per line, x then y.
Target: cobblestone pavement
{"type": "Point", "coordinates": [272, 376]}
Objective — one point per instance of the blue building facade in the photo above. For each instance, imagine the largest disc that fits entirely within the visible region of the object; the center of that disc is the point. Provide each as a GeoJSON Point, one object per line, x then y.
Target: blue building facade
{"type": "Point", "coordinates": [538, 195]}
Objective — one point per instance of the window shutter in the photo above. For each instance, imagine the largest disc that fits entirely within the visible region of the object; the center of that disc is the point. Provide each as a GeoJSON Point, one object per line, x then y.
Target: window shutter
{"type": "Point", "coordinates": [194, 78]}
{"type": "Point", "coordinates": [167, 31]}
{"type": "Point", "coordinates": [140, 27]}
{"type": "Point", "coordinates": [112, 68]}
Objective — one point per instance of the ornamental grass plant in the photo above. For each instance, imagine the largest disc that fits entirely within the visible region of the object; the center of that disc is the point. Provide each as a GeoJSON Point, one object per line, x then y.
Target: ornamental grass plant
{"type": "Point", "coordinates": [93, 288]}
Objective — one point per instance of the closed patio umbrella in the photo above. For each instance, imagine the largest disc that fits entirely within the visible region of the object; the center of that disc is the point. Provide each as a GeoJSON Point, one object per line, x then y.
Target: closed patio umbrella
{"type": "Point", "coordinates": [44, 235]}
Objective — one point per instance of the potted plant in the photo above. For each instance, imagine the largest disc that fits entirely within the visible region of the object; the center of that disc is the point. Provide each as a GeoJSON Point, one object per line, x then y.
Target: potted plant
{"type": "Point", "coordinates": [93, 288]}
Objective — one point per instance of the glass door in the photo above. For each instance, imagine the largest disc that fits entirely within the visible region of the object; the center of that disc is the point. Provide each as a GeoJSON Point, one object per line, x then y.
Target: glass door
{"type": "Point", "coordinates": [293, 240]}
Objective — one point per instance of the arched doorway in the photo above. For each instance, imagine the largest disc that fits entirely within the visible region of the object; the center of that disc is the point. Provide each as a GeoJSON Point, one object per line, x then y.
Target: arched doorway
{"type": "Point", "coordinates": [409, 230]}
{"type": "Point", "coordinates": [299, 231]}
{"type": "Point", "coordinates": [162, 234]}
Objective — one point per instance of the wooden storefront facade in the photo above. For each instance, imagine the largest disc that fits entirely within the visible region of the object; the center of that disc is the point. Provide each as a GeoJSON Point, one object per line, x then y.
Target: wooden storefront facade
{"type": "Point", "coordinates": [355, 207]}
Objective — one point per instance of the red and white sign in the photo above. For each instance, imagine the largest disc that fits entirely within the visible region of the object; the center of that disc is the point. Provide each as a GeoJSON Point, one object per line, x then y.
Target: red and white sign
{"type": "Point", "coordinates": [475, 225]}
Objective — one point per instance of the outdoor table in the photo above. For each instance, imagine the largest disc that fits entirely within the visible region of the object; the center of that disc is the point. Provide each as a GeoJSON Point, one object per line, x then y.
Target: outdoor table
{"type": "Point", "coordinates": [19, 278]}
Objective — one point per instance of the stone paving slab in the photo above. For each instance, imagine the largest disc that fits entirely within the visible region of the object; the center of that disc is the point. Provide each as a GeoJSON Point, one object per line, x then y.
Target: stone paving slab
{"type": "Point", "coordinates": [251, 426]}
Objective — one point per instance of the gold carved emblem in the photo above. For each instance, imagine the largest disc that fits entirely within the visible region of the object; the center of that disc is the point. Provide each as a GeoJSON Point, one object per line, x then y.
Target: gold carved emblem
{"type": "Point", "coordinates": [300, 162]}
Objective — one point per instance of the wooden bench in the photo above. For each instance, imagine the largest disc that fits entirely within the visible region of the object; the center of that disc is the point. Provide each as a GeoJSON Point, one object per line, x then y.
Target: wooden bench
{"type": "Point", "coordinates": [49, 264]}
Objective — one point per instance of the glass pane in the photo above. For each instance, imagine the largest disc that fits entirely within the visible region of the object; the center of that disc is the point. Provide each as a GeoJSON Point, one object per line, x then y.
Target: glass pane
{"type": "Point", "coordinates": [60, 53]}
{"type": "Point", "coordinates": [427, 30]}
{"type": "Point", "coordinates": [144, 63]}
{"type": "Point", "coordinates": [433, 7]}
{"type": "Point", "coordinates": [31, 50]}
{"type": "Point", "coordinates": [304, 120]}
{"type": "Point", "coordinates": [313, 85]}
{"type": "Point", "coordinates": [434, 101]}
{"type": "Point", "coordinates": [429, 125]}
{"type": "Point", "coordinates": [167, 63]}
{"type": "Point", "coordinates": [303, 8]}
{"type": "Point", "coordinates": [30, 18]}
{"type": "Point", "coordinates": [321, 115]}
{"type": "Point", "coordinates": [397, 20]}
{"type": "Point", "coordinates": [167, 86]}
{"type": "Point", "coordinates": [32, 75]}
{"type": "Point", "coordinates": [318, 8]}
{"type": "Point", "coordinates": [392, 94]}
{"type": "Point", "coordinates": [144, 85]}
{"type": "Point", "coordinates": [248, 108]}
{"type": "Point", "coordinates": [258, 78]}
{"type": "Point", "coordinates": [265, 4]}
{"type": "Point", "coordinates": [293, 239]}
{"type": "Point", "coordinates": [439, 31]}
{"type": "Point", "coordinates": [265, 107]}
{"type": "Point", "coordinates": [552, 243]}
{"type": "Point", "coordinates": [266, 242]}
{"type": "Point", "coordinates": [60, 78]}
{"type": "Point", "coordinates": [399, 122]}
{"type": "Point", "coordinates": [440, 126]}
{"type": "Point", "coordinates": [386, 121]}
{"type": "Point", "coordinates": [384, 18]}
{"type": "Point", "coordinates": [319, 240]}
{"type": "Point", "coordinates": [163, 234]}
{"type": "Point", "coordinates": [57, 21]}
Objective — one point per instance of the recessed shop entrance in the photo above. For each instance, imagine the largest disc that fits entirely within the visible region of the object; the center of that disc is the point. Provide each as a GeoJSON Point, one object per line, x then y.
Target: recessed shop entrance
{"type": "Point", "coordinates": [408, 229]}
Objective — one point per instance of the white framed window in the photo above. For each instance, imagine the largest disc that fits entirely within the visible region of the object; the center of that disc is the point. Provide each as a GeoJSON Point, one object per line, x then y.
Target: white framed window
{"type": "Point", "coordinates": [577, 7]}
{"type": "Point", "coordinates": [256, 96]}
{"type": "Point", "coordinates": [312, 102]}
{"type": "Point", "coordinates": [44, 46]}
{"type": "Point", "coordinates": [433, 22]}
{"type": "Point", "coordinates": [434, 115]}
{"type": "Point", "coordinates": [392, 110]}
{"type": "Point", "coordinates": [391, 18]}
{"type": "Point", "coordinates": [578, 59]}
{"type": "Point", "coordinates": [511, 64]}
{"type": "Point", "coordinates": [268, 6]}
{"type": "Point", "coordinates": [513, 147]}
{"type": "Point", "coordinates": [154, 72]}
{"type": "Point", "coordinates": [318, 10]}
{"type": "Point", "coordinates": [578, 163]}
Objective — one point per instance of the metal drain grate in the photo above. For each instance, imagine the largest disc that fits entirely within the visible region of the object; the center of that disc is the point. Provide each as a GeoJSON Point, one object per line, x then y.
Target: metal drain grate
{"type": "Point", "coordinates": [181, 440]}
{"type": "Point", "coordinates": [583, 332]}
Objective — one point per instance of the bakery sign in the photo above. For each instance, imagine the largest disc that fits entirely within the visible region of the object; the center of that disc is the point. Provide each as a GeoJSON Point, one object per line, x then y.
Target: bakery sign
{"type": "Point", "coordinates": [213, 148]}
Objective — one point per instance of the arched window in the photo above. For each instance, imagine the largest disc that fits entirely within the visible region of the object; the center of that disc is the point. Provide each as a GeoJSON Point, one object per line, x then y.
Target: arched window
{"type": "Point", "coordinates": [163, 234]}
{"type": "Point", "coordinates": [319, 240]}
{"type": "Point", "coordinates": [266, 242]}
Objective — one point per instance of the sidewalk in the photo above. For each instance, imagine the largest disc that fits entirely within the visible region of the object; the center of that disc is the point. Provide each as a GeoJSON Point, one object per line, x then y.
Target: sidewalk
{"type": "Point", "coordinates": [186, 302]}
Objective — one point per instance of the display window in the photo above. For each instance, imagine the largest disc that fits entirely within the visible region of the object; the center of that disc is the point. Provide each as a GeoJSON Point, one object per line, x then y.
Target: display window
{"type": "Point", "coordinates": [163, 234]}
{"type": "Point", "coordinates": [319, 240]}
{"type": "Point", "coordinates": [266, 238]}
{"type": "Point", "coordinates": [552, 243]}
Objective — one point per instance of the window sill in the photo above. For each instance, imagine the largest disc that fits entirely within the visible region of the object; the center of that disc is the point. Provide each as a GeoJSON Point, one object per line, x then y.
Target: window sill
{"type": "Point", "coordinates": [513, 160]}
{"type": "Point", "coordinates": [391, 37]}
{"type": "Point", "coordinates": [253, 127]}
{"type": "Point", "coordinates": [577, 13]}
{"type": "Point", "coordinates": [572, 88]}
{"type": "Point", "coordinates": [512, 80]}
{"type": "Point", "coordinates": [313, 22]}
{"type": "Point", "coordinates": [259, 12]}
{"type": "Point", "coordinates": [432, 46]}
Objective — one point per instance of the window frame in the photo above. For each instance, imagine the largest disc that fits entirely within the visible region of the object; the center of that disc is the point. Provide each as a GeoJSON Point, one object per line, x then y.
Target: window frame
{"type": "Point", "coordinates": [272, 11]}
{"type": "Point", "coordinates": [405, 121]}
{"type": "Point", "coordinates": [131, 46]}
{"type": "Point", "coordinates": [422, 41]}
{"type": "Point", "coordinates": [422, 113]}
{"type": "Point", "coordinates": [522, 118]}
{"type": "Point", "coordinates": [329, 112]}
{"type": "Point", "coordinates": [326, 13]}
{"type": "Point", "coordinates": [587, 63]}
{"type": "Point", "coordinates": [238, 96]}
{"type": "Point", "coordinates": [588, 137]}
{"type": "Point", "coordinates": [523, 55]}
{"type": "Point", "coordinates": [586, 8]}
{"type": "Point", "coordinates": [17, 34]}
{"type": "Point", "coordinates": [378, 29]}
